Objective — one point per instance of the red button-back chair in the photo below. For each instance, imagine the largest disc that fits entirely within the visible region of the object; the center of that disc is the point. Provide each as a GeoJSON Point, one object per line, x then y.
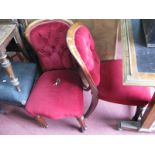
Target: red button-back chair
{"type": "Point", "coordinates": [108, 79]}
{"type": "Point", "coordinates": [59, 91]}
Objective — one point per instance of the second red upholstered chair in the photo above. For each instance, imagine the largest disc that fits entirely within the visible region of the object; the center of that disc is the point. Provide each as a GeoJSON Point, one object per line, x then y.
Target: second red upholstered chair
{"type": "Point", "coordinates": [105, 76]}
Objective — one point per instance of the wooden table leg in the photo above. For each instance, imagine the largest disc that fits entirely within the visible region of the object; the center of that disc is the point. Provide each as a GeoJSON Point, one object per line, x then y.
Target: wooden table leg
{"type": "Point", "coordinates": [8, 67]}
{"type": "Point", "coordinates": [149, 116]}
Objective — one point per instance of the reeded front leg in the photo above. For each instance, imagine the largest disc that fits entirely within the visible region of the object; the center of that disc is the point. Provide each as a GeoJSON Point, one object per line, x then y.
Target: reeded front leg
{"type": "Point", "coordinates": [8, 67]}
{"type": "Point", "coordinates": [82, 123]}
{"type": "Point", "coordinates": [41, 121]}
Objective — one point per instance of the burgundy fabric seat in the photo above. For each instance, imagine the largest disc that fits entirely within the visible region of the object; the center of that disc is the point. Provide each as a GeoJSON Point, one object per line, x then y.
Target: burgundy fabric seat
{"type": "Point", "coordinates": [111, 86]}
{"type": "Point", "coordinates": [107, 76]}
{"type": "Point", "coordinates": [57, 101]}
{"type": "Point", "coordinates": [59, 91]}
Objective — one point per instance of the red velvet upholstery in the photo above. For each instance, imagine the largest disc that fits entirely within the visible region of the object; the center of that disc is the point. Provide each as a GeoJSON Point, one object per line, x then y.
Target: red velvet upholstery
{"type": "Point", "coordinates": [109, 74]}
{"type": "Point", "coordinates": [49, 41]}
{"type": "Point", "coordinates": [48, 99]}
{"type": "Point", "coordinates": [111, 87]}
{"type": "Point", "coordinates": [65, 99]}
{"type": "Point", "coordinates": [85, 45]}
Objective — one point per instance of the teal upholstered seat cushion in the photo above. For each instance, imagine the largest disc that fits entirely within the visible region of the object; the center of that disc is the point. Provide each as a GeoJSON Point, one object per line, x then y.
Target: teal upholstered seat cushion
{"type": "Point", "coordinates": [26, 73]}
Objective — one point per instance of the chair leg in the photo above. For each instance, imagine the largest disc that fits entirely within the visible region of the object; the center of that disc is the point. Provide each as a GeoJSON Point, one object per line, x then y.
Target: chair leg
{"type": "Point", "coordinates": [81, 121]}
{"type": "Point", "coordinates": [138, 113]}
{"type": "Point", "coordinates": [41, 121]}
{"type": "Point", "coordinates": [133, 124]}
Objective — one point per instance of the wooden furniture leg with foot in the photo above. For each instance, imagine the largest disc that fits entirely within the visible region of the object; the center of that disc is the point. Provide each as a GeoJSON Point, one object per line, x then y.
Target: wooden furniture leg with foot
{"type": "Point", "coordinates": [81, 121]}
{"type": "Point", "coordinates": [7, 33]}
{"type": "Point", "coordinates": [41, 121]}
{"type": "Point", "coordinates": [7, 65]}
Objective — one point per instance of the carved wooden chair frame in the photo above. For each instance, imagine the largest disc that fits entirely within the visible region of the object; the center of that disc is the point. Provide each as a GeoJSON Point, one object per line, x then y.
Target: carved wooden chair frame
{"type": "Point", "coordinates": [39, 118]}
{"type": "Point", "coordinates": [37, 22]}
{"type": "Point", "coordinates": [84, 73]}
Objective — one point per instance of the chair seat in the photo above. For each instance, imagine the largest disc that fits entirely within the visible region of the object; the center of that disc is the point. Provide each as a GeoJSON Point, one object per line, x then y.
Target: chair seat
{"type": "Point", "coordinates": [26, 73]}
{"type": "Point", "coordinates": [111, 86]}
{"type": "Point", "coordinates": [57, 100]}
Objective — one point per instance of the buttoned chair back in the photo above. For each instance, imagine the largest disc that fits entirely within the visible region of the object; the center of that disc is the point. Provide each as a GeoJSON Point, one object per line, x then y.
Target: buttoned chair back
{"type": "Point", "coordinates": [47, 38]}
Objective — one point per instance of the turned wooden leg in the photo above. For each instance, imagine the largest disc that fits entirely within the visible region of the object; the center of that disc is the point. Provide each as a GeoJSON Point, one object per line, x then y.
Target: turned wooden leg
{"type": "Point", "coordinates": [81, 121]}
{"type": "Point", "coordinates": [138, 113]}
{"type": "Point", "coordinates": [8, 67]}
{"type": "Point", "coordinates": [41, 121]}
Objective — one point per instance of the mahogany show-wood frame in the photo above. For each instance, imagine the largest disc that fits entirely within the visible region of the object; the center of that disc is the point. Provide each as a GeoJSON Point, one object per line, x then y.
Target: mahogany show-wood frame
{"type": "Point", "coordinates": [38, 118]}
{"type": "Point", "coordinates": [87, 77]}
